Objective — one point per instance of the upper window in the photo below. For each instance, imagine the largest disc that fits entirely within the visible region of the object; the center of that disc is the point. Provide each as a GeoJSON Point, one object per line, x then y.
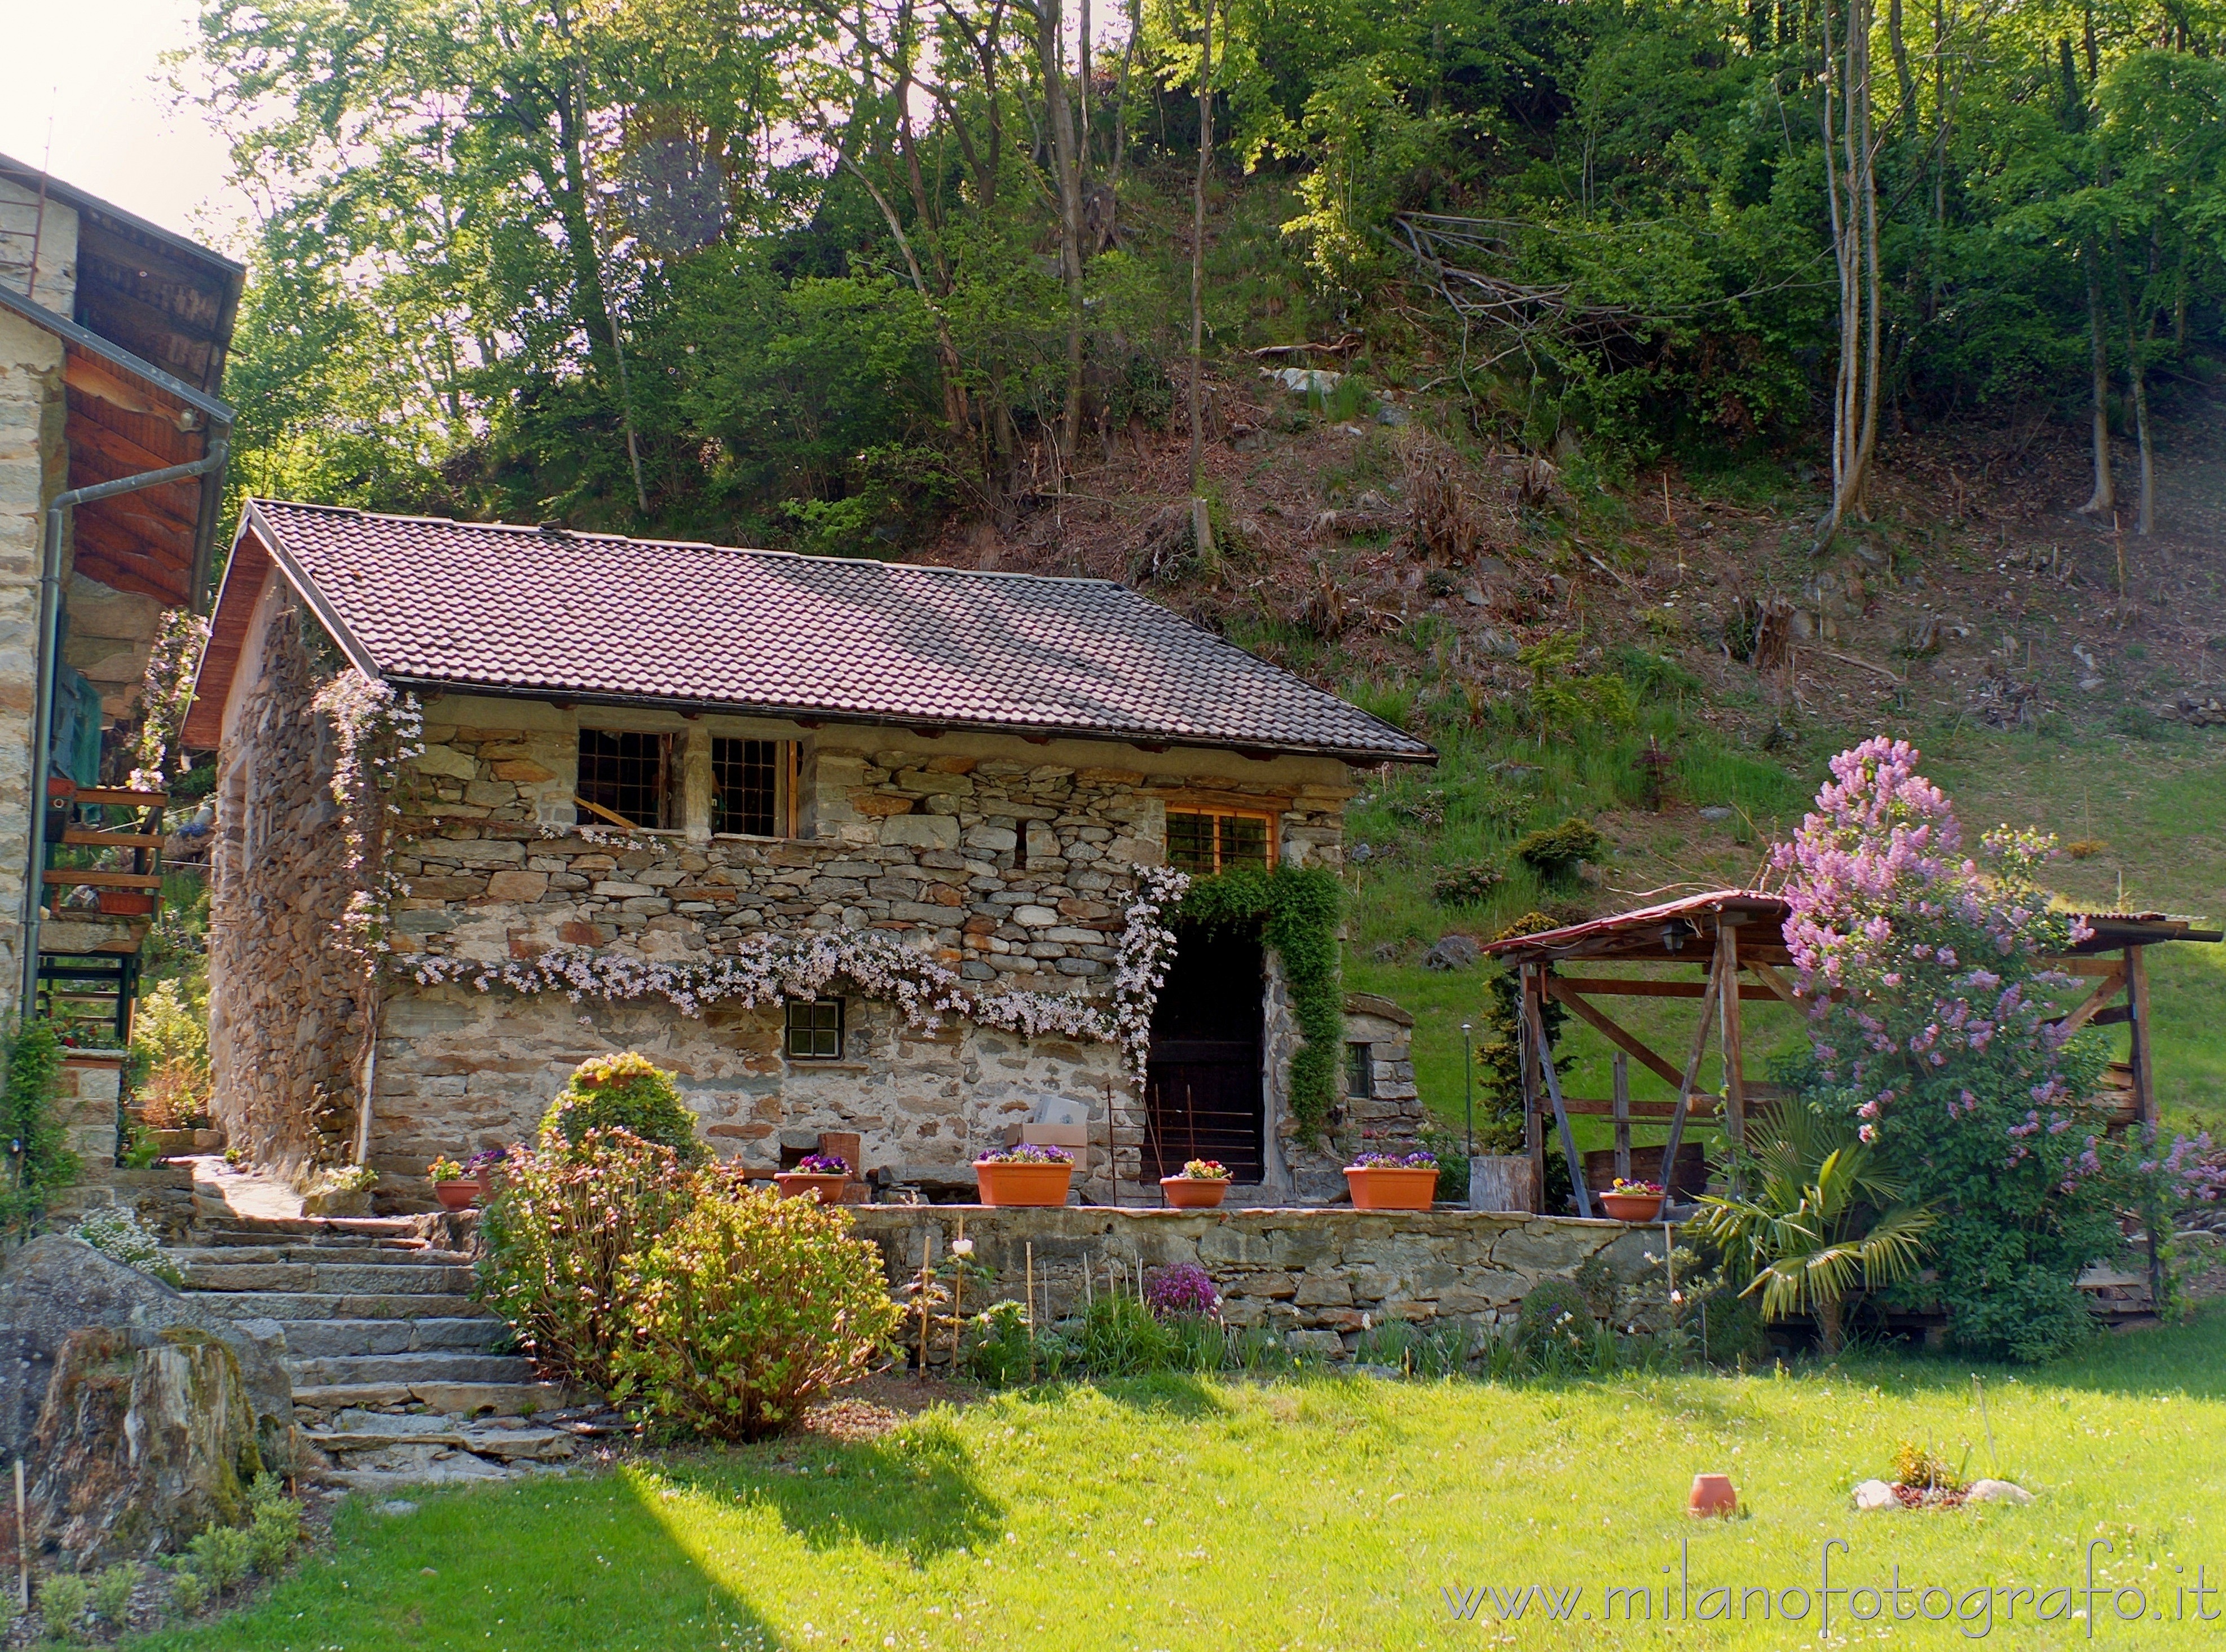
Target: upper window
{"type": "Point", "coordinates": [750, 787]}
{"type": "Point", "coordinates": [628, 775]}
{"type": "Point", "coordinates": [1206, 842]}
{"type": "Point", "coordinates": [815, 1029]}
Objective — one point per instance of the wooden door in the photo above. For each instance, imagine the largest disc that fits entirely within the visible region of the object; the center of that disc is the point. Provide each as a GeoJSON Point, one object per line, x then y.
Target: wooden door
{"type": "Point", "coordinates": [1203, 1094]}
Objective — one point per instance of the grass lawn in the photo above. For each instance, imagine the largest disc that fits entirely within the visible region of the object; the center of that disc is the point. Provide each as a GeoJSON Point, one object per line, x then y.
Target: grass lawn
{"type": "Point", "coordinates": [1326, 1512]}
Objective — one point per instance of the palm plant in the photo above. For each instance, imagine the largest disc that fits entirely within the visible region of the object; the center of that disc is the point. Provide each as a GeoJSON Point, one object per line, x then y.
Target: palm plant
{"type": "Point", "coordinates": [1814, 1217]}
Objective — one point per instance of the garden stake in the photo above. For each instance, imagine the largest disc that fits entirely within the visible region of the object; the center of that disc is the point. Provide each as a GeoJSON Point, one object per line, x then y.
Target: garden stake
{"type": "Point", "coordinates": [22, 1544]}
{"type": "Point", "coordinates": [1979, 1386]}
{"type": "Point", "coordinates": [1468, 1089]}
{"type": "Point", "coordinates": [922, 1306]}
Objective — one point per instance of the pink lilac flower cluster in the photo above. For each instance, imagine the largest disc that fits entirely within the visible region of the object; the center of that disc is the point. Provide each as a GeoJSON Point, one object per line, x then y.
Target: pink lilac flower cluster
{"type": "Point", "coordinates": [1909, 953]}
{"type": "Point", "coordinates": [1183, 1289]}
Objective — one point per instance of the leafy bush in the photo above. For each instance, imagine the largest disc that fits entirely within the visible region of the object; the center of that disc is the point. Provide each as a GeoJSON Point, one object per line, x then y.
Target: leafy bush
{"type": "Point", "coordinates": [169, 1035]}
{"type": "Point", "coordinates": [623, 1092]}
{"type": "Point", "coordinates": [43, 1159]}
{"type": "Point", "coordinates": [1554, 853]}
{"type": "Point", "coordinates": [746, 1310]}
{"type": "Point", "coordinates": [1121, 1336]}
{"type": "Point", "coordinates": [62, 1600]}
{"type": "Point", "coordinates": [112, 1593]}
{"type": "Point", "coordinates": [555, 1235]}
{"type": "Point", "coordinates": [115, 1230]}
{"type": "Point", "coordinates": [1467, 886]}
{"type": "Point", "coordinates": [1000, 1349]}
{"type": "Point", "coordinates": [276, 1527]}
{"type": "Point", "coordinates": [220, 1557]}
{"type": "Point", "coordinates": [1916, 1466]}
{"type": "Point", "coordinates": [189, 1592]}
{"type": "Point", "coordinates": [1554, 1319]}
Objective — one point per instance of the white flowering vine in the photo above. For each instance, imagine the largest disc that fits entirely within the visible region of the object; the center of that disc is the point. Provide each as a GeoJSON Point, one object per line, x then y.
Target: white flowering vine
{"type": "Point", "coordinates": [773, 966]}
{"type": "Point", "coordinates": [376, 730]}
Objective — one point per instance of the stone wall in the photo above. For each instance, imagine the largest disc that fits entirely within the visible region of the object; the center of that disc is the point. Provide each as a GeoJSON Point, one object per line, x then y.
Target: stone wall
{"type": "Point", "coordinates": [1317, 1277]}
{"type": "Point", "coordinates": [32, 469]}
{"type": "Point", "coordinates": [287, 1001]}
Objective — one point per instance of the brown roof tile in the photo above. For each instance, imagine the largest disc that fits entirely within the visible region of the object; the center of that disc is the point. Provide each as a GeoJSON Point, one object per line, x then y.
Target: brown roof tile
{"type": "Point", "coordinates": [593, 616]}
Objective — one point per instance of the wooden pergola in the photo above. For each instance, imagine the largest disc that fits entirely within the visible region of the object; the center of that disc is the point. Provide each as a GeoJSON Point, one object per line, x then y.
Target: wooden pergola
{"type": "Point", "coordinates": [1735, 939]}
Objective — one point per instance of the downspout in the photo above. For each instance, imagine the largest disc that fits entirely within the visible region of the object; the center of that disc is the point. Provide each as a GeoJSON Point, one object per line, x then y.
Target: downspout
{"type": "Point", "coordinates": [43, 719]}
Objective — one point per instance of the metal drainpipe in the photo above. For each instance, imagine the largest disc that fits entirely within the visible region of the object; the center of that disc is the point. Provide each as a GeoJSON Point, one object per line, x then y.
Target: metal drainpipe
{"type": "Point", "coordinates": [43, 719]}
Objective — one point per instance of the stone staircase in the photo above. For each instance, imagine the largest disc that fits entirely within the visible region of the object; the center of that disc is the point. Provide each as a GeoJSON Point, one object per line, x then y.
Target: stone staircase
{"type": "Point", "coordinates": [398, 1375]}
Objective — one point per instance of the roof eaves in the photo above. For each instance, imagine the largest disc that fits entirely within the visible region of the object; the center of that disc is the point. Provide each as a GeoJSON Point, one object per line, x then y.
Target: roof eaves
{"type": "Point", "coordinates": [92, 344]}
{"type": "Point", "coordinates": [25, 175]}
{"type": "Point", "coordinates": [298, 577]}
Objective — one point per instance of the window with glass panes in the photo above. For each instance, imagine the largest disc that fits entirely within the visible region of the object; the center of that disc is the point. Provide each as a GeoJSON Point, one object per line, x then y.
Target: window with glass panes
{"type": "Point", "coordinates": [1359, 1069]}
{"type": "Point", "coordinates": [815, 1029]}
{"type": "Point", "coordinates": [1205, 841]}
{"type": "Point", "coordinates": [630, 775]}
{"type": "Point", "coordinates": [749, 787]}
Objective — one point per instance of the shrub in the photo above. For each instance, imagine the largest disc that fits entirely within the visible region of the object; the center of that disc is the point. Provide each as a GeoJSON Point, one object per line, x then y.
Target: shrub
{"type": "Point", "coordinates": [42, 1161]}
{"type": "Point", "coordinates": [219, 1557]}
{"type": "Point", "coordinates": [62, 1600]}
{"type": "Point", "coordinates": [1554, 1319]}
{"type": "Point", "coordinates": [623, 1092]}
{"type": "Point", "coordinates": [1121, 1337]}
{"type": "Point", "coordinates": [169, 1034]}
{"type": "Point", "coordinates": [1554, 853]}
{"type": "Point", "coordinates": [189, 1592]}
{"type": "Point", "coordinates": [115, 1230]}
{"type": "Point", "coordinates": [276, 1527]}
{"type": "Point", "coordinates": [1002, 1352]}
{"type": "Point", "coordinates": [554, 1238]}
{"type": "Point", "coordinates": [1917, 1467]}
{"type": "Point", "coordinates": [1467, 886]}
{"type": "Point", "coordinates": [746, 1310]}
{"type": "Point", "coordinates": [112, 1593]}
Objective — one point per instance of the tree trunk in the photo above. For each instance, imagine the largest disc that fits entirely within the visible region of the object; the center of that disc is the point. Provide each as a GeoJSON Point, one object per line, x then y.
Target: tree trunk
{"type": "Point", "coordinates": [1198, 262]}
{"type": "Point", "coordinates": [2104, 500]}
{"type": "Point", "coordinates": [1851, 188]}
{"type": "Point", "coordinates": [1831, 1328]}
{"type": "Point", "coordinates": [1066, 168]}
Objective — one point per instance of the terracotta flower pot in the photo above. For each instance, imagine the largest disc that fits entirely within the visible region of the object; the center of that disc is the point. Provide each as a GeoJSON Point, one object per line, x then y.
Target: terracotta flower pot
{"type": "Point", "coordinates": [487, 1173]}
{"type": "Point", "coordinates": [1712, 1494]}
{"type": "Point", "coordinates": [457, 1195]}
{"type": "Point", "coordinates": [1194, 1192]}
{"type": "Point", "coordinates": [1022, 1184]}
{"type": "Point", "coordinates": [1391, 1187]}
{"type": "Point", "coordinates": [796, 1184]}
{"type": "Point", "coordinates": [126, 903]}
{"type": "Point", "coordinates": [1630, 1207]}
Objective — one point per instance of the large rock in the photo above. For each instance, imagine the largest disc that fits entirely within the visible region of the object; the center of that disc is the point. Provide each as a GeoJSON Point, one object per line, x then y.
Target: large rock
{"type": "Point", "coordinates": [55, 1285]}
{"type": "Point", "coordinates": [146, 1438]}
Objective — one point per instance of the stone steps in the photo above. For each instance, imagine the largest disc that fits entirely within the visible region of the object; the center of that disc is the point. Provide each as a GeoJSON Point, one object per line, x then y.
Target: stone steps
{"type": "Point", "coordinates": [398, 1379]}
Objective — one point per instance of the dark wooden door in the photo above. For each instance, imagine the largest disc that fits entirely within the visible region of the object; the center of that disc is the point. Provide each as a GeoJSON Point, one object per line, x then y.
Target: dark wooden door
{"type": "Point", "coordinates": [1203, 1095]}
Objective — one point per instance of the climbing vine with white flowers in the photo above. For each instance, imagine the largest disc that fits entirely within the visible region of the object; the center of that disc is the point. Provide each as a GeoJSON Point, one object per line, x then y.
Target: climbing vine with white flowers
{"type": "Point", "coordinates": [375, 731]}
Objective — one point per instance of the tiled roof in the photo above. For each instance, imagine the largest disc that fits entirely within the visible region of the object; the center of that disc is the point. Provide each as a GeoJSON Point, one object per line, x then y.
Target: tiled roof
{"type": "Point", "coordinates": [599, 617]}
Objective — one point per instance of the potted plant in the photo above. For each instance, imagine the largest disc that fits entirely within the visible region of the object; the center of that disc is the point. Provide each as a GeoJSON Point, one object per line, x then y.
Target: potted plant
{"type": "Point", "coordinates": [824, 1175]}
{"type": "Point", "coordinates": [483, 1166]}
{"type": "Point", "coordinates": [452, 1184]}
{"type": "Point", "coordinates": [1028, 1172]}
{"type": "Point", "coordinates": [1631, 1201]}
{"type": "Point", "coordinates": [341, 1191]}
{"type": "Point", "coordinates": [1198, 1187]}
{"type": "Point", "coordinates": [1393, 1181]}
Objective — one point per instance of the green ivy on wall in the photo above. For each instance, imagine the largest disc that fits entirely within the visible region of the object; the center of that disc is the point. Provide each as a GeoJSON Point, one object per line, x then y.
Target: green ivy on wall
{"type": "Point", "coordinates": [39, 1162]}
{"type": "Point", "coordinates": [1297, 910]}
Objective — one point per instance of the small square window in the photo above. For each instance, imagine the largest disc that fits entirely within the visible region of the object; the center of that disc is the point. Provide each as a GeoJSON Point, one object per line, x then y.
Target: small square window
{"type": "Point", "coordinates": [1205, 843]}
{"type": "Point", "coordinates": [629, 775]}
{"type": "Point", "coordinates": [815, 1029]}
{"type": "Point", "coordinates": [1360, 1069]}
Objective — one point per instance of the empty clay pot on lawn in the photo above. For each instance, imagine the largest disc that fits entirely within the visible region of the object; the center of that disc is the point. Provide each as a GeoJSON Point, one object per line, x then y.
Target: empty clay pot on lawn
{"type": "Point", "coordinates": [1712, 1493]}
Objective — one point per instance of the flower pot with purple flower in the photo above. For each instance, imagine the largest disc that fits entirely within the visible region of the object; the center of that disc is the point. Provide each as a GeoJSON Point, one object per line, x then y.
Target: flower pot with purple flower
{"type": "Point", "coordinates": [1631, 1201]}
{"type": "Point", "coordinates": [485, 1167]}
{"type": "Point", "coordinates": [1393, 1181]}
{"type": "Point", "coordinates": [455, 1191]}
{"type": "Point", "coordinates": [1198, 1187]}
{"type": "Point", "coordinates": [1027, 1174]}
{"type": "Point", "coordinates": [822, 1175]}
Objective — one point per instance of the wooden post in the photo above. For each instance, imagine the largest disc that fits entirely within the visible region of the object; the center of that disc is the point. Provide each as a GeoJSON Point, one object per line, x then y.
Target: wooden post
{"type": "Point", "coordinates": [2137, 1010]}
{"type": "Point", "coordinates": [1529, 1026]}
{"type": "Point", "coordinates": [1621, 1069]}
{"type": "Point", "coordinates": [1561, 1125]}
{"type": "Point", "coordinates": [1727, 1007]}
{"type": "Point", "coordinates": [1685, 1087]}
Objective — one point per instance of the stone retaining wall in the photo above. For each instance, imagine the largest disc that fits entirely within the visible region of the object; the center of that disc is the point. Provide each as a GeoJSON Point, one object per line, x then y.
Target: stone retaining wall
{"type": "Point", "coordinates": [1318, 1277]}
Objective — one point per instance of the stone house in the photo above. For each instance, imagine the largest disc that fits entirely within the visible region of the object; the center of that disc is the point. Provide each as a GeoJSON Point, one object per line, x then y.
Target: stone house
{"type": "Point", "coordinates": [113, 335]}
{"type": "Point", "coordinates": [850, 845]}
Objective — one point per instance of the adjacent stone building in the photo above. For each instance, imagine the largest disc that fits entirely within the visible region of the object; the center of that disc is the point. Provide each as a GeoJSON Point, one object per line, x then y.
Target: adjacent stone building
{"type": "Point", "coordinates": [652, 778]}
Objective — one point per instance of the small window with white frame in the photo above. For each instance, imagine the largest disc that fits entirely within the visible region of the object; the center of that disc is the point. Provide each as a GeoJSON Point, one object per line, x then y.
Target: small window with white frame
{"type": "Point", "coordinates": [752, 787]}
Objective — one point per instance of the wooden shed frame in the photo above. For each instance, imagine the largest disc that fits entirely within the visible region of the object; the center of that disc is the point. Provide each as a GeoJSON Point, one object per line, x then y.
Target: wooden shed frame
{"type": "Point", "coordinates": [1736, 937]}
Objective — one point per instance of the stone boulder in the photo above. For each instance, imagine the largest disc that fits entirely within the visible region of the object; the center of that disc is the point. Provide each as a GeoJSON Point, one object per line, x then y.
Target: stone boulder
{"type": "Point", "coordinates": [1451, 954]}
{"type": "Point", "coordinates": [56, 1285]}
{"type": "Point", "coordinates": [146, 1438]}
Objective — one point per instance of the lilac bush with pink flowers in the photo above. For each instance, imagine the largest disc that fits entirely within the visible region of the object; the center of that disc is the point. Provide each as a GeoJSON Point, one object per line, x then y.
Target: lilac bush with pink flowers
{"type": "Point", "coordinates": [1931, 1021]}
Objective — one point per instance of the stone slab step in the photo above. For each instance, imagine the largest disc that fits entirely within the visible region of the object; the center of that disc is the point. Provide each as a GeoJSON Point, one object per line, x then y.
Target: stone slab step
{"type": "Point", "coordinates": [341, 1370]}
{"type": "Point", "coordinates": [462, 1398]}
{"type": "Point", "coordinates": [322, 1339]}
{"type": "Point", "coordinates": [336, 1278]}
{"type": "Point", "coordinates": [509, 1440]}
{"type": "Point", "coordinates": [352, 1255]}
{"type": "Point", "coordinates": [317, 1305]}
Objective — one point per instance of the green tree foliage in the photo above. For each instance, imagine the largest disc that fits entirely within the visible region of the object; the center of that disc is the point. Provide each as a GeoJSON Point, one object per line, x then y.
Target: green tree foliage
{"type": "Point", "coordinates": [626, 1092]}
{"type": "Point", "coordinates": [40, 1162]}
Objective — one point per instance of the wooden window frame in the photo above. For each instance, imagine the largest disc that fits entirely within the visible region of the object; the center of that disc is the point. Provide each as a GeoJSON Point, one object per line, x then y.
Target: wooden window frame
{"type": "Point", "coordinates": [811, 1028]}
{"type": "Point", "coordinates": [787, 768]}
{"type": "Point", "coordinates": [1268, 820]}
{"type": "Point", "coordinates": [671, 804]}
{"type": "Point", "coordinates": [1359, 1059]}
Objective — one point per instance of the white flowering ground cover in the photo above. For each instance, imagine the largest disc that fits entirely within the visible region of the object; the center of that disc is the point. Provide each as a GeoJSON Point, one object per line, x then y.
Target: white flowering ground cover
{"type": "Point", "coordinates": [1321, 1512]}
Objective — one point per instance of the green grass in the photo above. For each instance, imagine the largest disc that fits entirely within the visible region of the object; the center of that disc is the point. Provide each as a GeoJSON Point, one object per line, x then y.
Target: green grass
{"type": "Point", "coordinates": [1311, 1512]}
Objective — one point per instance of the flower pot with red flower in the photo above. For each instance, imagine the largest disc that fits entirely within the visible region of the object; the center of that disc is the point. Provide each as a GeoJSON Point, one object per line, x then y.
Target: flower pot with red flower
{"type": "Point", "coordinates": [455, 1189]}
{"type": "Point", "coordinates": [1027, 1174]}
{"type": "Point", "coordinates": [1198, 1187]}
{"type": "Point", "coordinates": [1631, 1201]}
{"type": "Point", "coordinates": [1393, 1181]}
{"type": "Point", "coordinates": [819, 1175]}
